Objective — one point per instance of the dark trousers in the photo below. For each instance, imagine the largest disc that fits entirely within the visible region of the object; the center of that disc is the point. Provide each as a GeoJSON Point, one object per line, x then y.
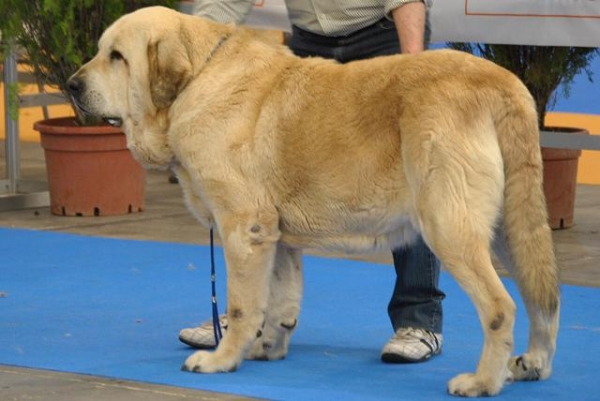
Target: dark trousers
{"type": "Point", "coordinates": [416, 301]}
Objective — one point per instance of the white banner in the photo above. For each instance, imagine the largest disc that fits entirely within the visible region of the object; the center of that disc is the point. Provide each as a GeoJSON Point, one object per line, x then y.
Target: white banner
{"type": "Point", "coordinates": [269, 14]}
{"type": "Point", "coordinates": [528, 22]}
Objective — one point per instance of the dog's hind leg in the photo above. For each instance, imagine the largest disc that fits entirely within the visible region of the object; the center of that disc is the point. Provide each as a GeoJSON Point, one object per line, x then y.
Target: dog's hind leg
{"type": "Point", "coordinates": [283, 307]}
{"type": "Point", "coordinates": [536, 363]}
{"type": "Point", "coordinates": [249, 243]}
{"type": "Point", "coordinates": [469, 262]}
{"type": "Point", "coordinates": [528, 254]}
{"type": "Point", "coordinates": [457, 194]}
{"type": "Point", "coordinates": [459, 239]}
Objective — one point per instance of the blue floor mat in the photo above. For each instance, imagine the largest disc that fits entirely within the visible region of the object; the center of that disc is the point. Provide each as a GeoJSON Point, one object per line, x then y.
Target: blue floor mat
{"type": "Point", "coordinates": [114, 308]}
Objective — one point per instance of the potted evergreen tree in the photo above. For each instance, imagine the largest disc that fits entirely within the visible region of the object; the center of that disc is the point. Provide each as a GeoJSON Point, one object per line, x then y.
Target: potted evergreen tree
{"type": "Point", "coordinates": [90, 171]}
{"type": "Point", "coordinates": [545, 69]}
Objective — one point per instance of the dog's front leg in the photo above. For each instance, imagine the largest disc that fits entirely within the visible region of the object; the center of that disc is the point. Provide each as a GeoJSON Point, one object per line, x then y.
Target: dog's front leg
{"type": "Point", "coordinates": [249, 243]}
{"type": "Point", "coordinates": [283, 308]}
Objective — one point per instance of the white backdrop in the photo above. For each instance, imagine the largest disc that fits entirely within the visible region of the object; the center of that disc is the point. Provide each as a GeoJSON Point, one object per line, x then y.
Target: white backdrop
{"type": "Point", "coordinates": [270, 14]}
{"type": "Point", "coordinates": [532, 22]}
{"type": "Point", "coordinates": [527, 22]}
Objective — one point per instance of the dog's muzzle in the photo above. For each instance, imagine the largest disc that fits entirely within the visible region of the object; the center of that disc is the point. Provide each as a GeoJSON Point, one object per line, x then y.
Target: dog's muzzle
{"type": "Point", "coordinates": [76, 86]}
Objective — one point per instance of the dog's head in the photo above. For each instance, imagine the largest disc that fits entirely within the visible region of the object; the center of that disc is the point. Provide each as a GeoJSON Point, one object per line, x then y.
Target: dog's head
{"type": "Point", "coordinates": [144, 60]}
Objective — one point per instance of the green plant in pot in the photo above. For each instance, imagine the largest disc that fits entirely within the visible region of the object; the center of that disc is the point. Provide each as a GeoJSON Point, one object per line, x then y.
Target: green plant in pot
{"type": "Point", "coordinates": [547, 71]}
{"type": "Point", "coordinates": [90, 171]}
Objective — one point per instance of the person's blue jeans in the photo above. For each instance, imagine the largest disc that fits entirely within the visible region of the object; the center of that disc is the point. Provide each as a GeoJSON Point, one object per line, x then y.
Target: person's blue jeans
{"type": "Point", "coordinates": [416, 301]}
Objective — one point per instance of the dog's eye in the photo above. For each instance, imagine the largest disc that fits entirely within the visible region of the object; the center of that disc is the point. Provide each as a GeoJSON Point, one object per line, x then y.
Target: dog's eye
{"type": "Point", "coordinates": [116, 55]}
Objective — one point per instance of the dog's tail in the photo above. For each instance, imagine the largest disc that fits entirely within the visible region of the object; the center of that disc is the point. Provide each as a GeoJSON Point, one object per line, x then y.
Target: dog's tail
{"type": "Point", "coordinates": [525, 215]}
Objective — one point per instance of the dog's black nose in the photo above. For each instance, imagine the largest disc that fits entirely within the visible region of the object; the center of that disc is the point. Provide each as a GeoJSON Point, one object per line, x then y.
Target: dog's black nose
{"type": "Point", "coordinates": [75, 85]}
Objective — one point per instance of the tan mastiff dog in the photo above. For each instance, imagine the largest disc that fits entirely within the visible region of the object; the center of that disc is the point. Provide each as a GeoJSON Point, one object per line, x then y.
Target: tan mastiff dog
{"type": "Point", "coordinates": [280, 153]}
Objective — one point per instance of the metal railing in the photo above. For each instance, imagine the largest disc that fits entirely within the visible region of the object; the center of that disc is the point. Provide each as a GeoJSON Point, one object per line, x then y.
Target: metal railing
{"type": "Point", "coordinates": [16, 193]}
{"type": "Point", "coordinates": [568, 141]}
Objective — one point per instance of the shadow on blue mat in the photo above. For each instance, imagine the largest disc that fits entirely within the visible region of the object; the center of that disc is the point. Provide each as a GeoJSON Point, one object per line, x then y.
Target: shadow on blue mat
{"type": "Point", "coordinates": [114, 308]}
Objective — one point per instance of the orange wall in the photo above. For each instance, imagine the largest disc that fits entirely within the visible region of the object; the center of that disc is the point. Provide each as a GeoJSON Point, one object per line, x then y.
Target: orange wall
{"type": "Point", "coordinates": [589, 164]}
{"type": "Point", "coordinates": [30, 115]}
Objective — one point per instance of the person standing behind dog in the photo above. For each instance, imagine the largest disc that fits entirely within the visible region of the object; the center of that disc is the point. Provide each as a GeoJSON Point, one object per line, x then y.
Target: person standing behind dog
{"type": "Point", "coordinates": [346, 31]}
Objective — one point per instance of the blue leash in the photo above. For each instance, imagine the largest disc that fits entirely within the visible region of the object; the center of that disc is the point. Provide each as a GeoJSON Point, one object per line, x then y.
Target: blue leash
{"type": "Point", "coordinates": [213, 281]}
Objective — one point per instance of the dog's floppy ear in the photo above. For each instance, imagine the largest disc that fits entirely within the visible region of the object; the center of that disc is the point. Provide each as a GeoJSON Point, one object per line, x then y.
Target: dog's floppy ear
{"type": "Point", "coordinates": [170, 70]}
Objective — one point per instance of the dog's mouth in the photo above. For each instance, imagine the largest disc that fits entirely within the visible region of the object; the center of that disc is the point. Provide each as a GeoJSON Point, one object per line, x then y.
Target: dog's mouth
{"type": "Point", "coordinates": [114, 121]}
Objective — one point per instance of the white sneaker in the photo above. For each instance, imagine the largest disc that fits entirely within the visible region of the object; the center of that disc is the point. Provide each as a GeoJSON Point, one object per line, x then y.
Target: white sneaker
{"type": "Point", "coordinates": [412, 345]}
{"type": "Point", "coordinates": [203, 336]}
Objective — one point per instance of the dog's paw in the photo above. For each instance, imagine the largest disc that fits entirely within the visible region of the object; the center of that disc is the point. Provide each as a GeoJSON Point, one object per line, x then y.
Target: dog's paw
{"type": "Point", "coordinates": [267, 351]}
{"type": "Point", "coordinates": [208, 362]}
{"type": "Point", "coordinates": [529, 368]}
{"type": "Point", "coordinates": [469, 385]}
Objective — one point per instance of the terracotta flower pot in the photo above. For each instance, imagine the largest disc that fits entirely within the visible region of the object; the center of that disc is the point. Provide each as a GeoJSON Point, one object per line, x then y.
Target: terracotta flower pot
{"type": "Point", "coordinates": [560, 181]}
{"type": "Point", "coordinates": [90, 170]}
